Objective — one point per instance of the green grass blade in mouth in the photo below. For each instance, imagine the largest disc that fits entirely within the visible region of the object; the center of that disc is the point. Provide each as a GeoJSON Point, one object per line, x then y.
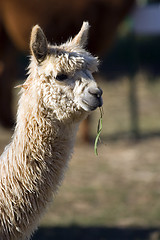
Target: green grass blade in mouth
{"type": "Point", "coordinates": [99, 130]}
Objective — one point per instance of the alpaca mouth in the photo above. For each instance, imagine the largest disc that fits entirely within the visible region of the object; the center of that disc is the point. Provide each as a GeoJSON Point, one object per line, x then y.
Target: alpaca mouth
{"type": "Point", "coordinates": [92, 105]}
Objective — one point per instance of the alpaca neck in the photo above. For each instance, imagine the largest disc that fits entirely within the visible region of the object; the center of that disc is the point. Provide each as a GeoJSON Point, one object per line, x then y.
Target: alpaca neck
{"type": "Point", "coordinates": [40, 150]}
{"type": "Point", "coordinates": [32, 168]}
{"type": "Point", "coordinates": [44, 142]}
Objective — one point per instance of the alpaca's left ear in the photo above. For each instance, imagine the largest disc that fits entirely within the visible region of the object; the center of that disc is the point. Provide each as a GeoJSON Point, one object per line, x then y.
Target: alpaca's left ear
{"type": "Point", "coordinates": [38, 44]}
{"type": "Point", "coordinates": [82, 36]}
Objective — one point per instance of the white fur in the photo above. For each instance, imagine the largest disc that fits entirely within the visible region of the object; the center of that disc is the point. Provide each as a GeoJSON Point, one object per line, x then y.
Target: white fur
{"type": "Point", "coordinates": [33, 164]}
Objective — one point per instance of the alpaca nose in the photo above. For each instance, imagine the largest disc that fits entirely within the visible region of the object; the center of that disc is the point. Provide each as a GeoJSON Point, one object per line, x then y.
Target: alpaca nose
{"type": "Point", "coordinates": [92, 98]}
{"type": "Point", "coordinates": [97, 92]}
{"type": "Point", "coordinates": [96, 96]}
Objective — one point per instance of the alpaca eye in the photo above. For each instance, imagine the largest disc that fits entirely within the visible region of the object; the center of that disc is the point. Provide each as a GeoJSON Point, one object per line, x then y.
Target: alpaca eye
{"type": "Point", "coordinates": [61, 77]}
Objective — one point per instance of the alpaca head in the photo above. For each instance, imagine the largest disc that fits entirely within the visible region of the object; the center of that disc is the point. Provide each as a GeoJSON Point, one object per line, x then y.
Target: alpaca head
{"type": "Point", "coordinates": [64, 74]}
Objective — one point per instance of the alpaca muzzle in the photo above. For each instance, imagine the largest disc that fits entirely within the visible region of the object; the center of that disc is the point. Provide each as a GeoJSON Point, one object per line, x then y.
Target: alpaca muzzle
{"type": "Point", "coordinates": [93, 98]}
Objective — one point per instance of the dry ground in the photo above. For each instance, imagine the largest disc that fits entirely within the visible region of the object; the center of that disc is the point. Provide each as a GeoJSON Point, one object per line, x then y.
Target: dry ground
{"type": "Point", "coordinates": [115, 196]}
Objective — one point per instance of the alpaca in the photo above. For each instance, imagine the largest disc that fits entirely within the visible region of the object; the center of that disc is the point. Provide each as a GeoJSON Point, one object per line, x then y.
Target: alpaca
{"type": "Point", "coordinates": [17, 17]}
{"type": "Point", "coordinates": [59, 92]}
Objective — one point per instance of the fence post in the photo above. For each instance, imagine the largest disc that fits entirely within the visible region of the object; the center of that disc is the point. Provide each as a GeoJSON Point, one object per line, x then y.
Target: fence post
{"type": "Point", "coordinates": [133, 98]}
{"type": "Point", "coordinates": [133, 106]}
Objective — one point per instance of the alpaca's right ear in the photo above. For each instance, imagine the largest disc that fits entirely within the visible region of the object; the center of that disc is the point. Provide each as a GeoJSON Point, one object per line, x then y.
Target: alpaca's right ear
{"type": "Point", "coordinates": [38, 44]}
{"type": "Point", "coordinates": [82, 36]}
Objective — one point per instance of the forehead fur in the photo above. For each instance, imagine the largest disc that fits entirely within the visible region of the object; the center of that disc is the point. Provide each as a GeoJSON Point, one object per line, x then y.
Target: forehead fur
{"type": "Point", "coordinates": [66, 59]}
{"type": "Point", "coordinates": [70, 58]}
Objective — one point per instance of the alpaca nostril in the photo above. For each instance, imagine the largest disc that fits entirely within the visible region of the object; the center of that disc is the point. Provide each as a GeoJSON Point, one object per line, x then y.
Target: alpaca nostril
{"type": "Point", "coordinates": [95, 91]}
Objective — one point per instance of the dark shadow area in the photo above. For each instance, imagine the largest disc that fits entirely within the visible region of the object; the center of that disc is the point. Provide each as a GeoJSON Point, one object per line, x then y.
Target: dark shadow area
{"type": "Point", "coordinates": [130, 54]}
{"type": "Point", "coordinates": [96, 233]}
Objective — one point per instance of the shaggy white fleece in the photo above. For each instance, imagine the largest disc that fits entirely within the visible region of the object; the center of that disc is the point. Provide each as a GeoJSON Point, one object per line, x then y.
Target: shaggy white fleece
{"type": "Point", "coordinates": [33, 164]}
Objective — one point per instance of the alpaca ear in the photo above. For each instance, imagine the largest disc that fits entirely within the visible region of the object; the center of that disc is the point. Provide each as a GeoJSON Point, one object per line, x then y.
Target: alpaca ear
{"type": "Point", "coordinates": [82, 36]}
{"type": "Point", "coordinates": [38, 43]}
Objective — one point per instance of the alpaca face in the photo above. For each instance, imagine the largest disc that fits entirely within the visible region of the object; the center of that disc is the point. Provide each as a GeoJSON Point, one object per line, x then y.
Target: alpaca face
{"type": "Point", "coordinates": [68, 86]}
